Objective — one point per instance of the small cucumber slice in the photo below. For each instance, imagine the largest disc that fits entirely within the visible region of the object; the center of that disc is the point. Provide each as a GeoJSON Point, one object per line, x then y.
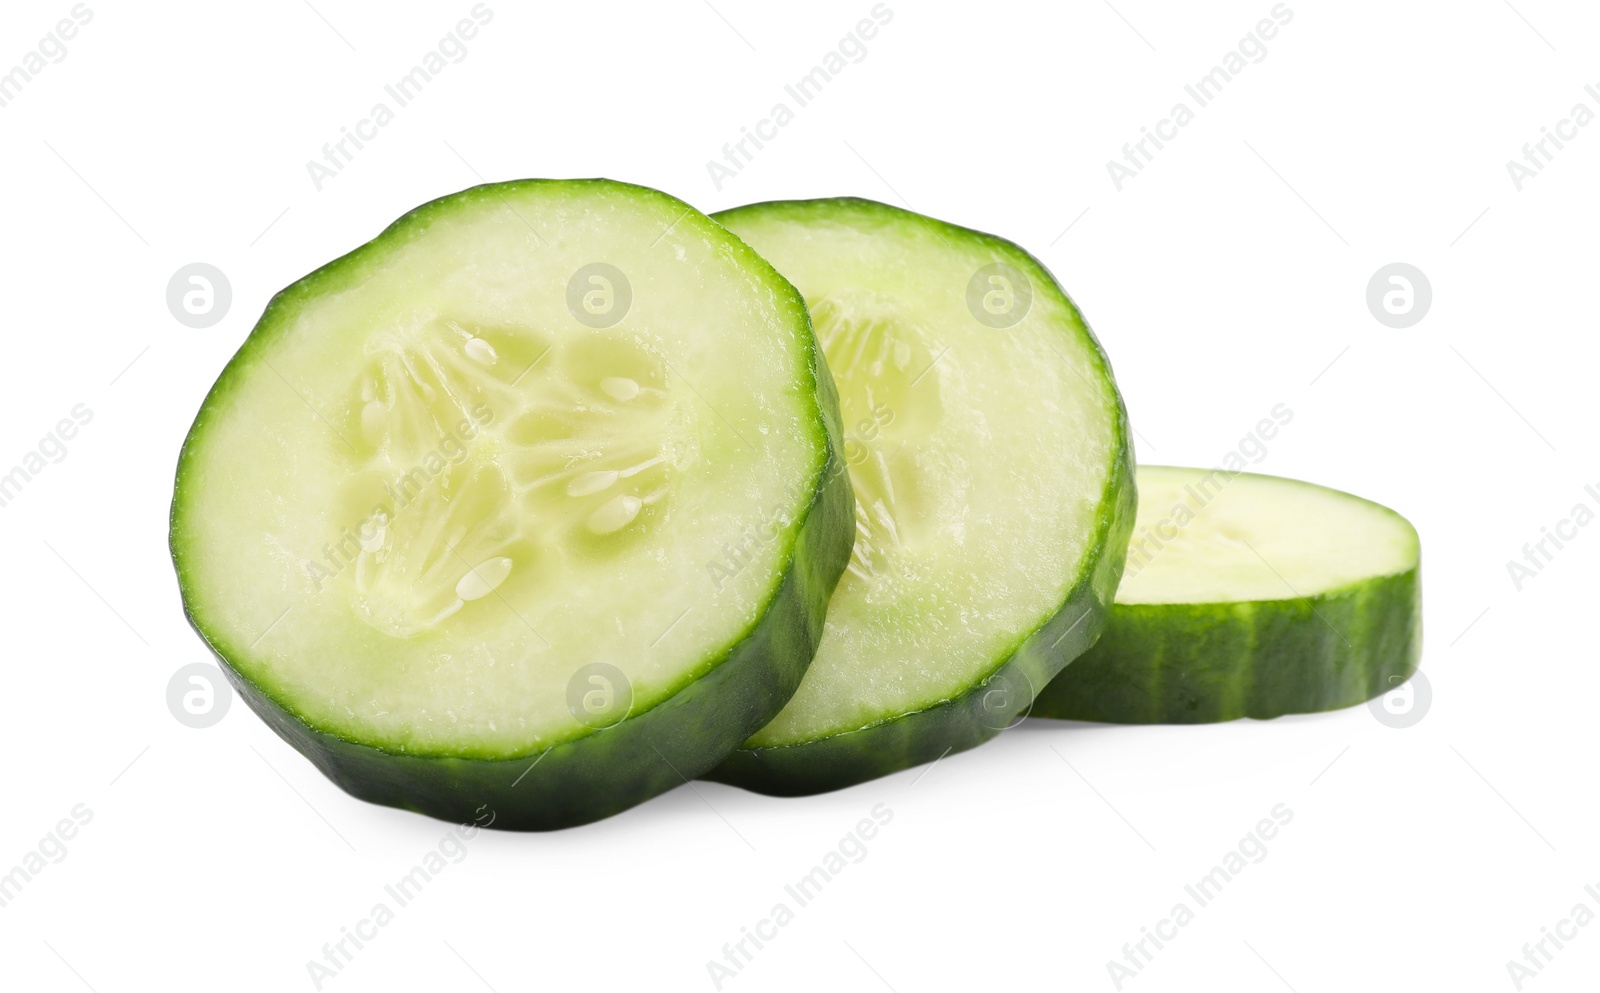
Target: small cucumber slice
{"type": "Point", "coordinates": [988, 449]}
{"type": "Point", "coordinates": [1249, 596]}
{"type": "Point", "coordinates": [446, 515]}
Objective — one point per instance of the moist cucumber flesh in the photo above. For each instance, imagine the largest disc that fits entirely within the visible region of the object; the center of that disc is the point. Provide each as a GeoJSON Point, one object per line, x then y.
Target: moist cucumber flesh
{"type": "Point", "coordinates": [988, 450]}
{"type": "Point", "coordinates": [446, 511]}
{"type": "Point", "coordinates": [1249, 596]}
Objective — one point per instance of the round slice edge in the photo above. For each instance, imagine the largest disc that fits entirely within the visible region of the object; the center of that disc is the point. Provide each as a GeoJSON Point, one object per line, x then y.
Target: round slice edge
{"type": "Point", "coordinates": [1250, 595]}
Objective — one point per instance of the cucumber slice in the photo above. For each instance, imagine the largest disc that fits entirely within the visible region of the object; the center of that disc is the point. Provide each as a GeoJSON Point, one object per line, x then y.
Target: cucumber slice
{"type": "Point", "coordinates": [988, 448]}
{"type": "Point", "coordinates": [445, 516]}
{"type": "Point", "coordinates": [1249, 596]}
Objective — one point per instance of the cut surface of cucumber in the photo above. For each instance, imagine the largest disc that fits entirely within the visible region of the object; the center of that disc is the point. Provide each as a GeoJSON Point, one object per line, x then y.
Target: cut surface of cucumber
{"type": "Point", "coordinates": [988, 449]}
{"type": "Point", "coordinates": [446, 515]}
{"type": "Point", "coordinates": [1249, 596]}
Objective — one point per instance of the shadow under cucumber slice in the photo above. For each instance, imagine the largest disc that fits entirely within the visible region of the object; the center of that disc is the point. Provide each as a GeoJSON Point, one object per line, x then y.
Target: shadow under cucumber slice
{"type": "Point", "coordinates": [1249, 596]}
{"type": "Point", "coordinates": [445, 517]}
{"type": "Point", "coordinates": [988, 449]}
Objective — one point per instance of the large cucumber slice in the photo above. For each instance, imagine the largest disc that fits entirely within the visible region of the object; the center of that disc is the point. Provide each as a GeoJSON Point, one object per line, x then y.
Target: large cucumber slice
{"type": "Point", "coordinates": [446, 516]}
{"type": "Point", "coordinates": [988, 449]}
{"type": "Point", "coordinates": [1249, 596]}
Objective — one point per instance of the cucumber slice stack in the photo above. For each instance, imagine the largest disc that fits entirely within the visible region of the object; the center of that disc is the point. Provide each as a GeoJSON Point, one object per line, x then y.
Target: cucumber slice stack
{"type": "Point", "coordinates": [1249, 596]}
{"type": "Point", "coordinates": [445, 516]}
{"type": "Point", "coordinates": [545, 501]}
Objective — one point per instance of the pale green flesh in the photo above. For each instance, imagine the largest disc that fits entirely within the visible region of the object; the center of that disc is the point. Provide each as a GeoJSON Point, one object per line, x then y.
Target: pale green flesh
{"type": "Point", "coordinates": [978, 456]}
{"type": "Point", "coordinates": [1209, 536]}
{"type": "Point", "coordinates": [428, 494]}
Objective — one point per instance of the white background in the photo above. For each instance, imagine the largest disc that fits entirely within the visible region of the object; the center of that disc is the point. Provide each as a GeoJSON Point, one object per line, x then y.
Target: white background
{"type": "Point", "coordinates": [1223, 280]}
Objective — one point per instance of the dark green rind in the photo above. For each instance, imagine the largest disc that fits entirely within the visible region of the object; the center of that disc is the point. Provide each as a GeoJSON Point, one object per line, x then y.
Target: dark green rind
{"type": "Point", "coordinates": [1004, 696]}
{"type": "Point", "coordinates": [602, 772]}
{"type": "Point", "coordinates": [1201, 663]}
